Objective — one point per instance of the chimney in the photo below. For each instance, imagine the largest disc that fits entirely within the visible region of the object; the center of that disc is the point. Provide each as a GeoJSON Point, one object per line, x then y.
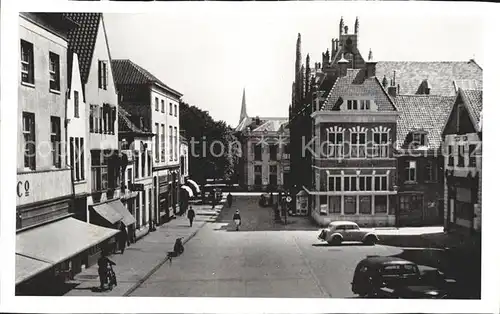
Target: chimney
{"type": "Point", "coordinates": [371, 65]}
{"type": "Point", "coordinates": [343, 63]}
{"type": "Point", "coordinates": [393, 90]}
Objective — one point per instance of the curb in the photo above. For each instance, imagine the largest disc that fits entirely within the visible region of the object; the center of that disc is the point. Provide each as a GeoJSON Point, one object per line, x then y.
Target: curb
{"type": "Point", "coordinates": [160, 264]}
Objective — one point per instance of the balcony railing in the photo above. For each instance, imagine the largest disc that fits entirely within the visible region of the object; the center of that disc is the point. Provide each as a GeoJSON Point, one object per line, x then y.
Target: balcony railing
{"type": "Point", "coordinates": [36, 186]}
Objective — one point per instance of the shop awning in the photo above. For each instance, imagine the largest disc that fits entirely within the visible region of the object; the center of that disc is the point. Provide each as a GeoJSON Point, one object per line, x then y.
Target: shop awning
{"type": "Point", "coordinates": [43, 247]}
{"type": "Point", "coordinates": [118, 206]}
{"type": "Point", "coordinates": [109, 213]}
{"type": "Point", "coordinates": [188, 190]}
{"type": "Point", "coordinates": [193, 185]}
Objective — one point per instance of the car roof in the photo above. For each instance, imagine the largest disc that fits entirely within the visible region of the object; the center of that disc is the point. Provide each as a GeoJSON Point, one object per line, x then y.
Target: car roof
{"type": "Point", "coordinates": [381, 260]}
{"type": "Point", "coordinates": [342, 222]}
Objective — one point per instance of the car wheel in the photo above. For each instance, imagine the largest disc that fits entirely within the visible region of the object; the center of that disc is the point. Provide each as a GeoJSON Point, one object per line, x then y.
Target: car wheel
{"type": "Point", "coordinates": [336, 240]}
{"type": "Point", "coordinates": [370, 240]}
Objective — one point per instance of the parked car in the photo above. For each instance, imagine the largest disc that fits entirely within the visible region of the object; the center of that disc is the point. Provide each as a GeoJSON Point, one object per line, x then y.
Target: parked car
{"type": "Point", "coordinates": [393, 277]}
{"type": "Point", "coordinates": [339, 231]}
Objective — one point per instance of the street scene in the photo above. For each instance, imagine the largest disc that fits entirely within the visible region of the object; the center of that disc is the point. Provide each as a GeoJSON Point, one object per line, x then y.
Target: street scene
{"type": "Point", "coordinates": [353, 177]}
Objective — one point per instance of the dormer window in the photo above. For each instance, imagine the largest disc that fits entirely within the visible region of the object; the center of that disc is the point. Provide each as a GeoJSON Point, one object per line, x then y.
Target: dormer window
{"type": "Point", "coordinates": [419, 139]}
{"type": "Point", "coordinates": [358, 104]}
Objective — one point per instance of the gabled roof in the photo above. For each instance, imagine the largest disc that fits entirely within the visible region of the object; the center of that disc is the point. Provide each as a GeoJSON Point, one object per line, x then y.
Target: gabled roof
{"type": "Point", "coordinates": [127, 126]}
{"type": "Point", "coordinates": [473, 100]}
{"type": "Point", "coordinates": [428, 113]}
{"type": "Point", "coordinates": [82, 39]}
{"type": "Point", "coordinates": [126, 72]}
{"type": "Point", "coordinates": [440, 75]}
{"type": "Point", "coordinates": [266, 124]}
{"type": "Point", "coordinates": [356, 84]}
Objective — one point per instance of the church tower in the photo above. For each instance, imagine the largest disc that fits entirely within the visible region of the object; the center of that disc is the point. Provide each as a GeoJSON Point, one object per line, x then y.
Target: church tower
{"type": "Point", "coordinates": [348, 45]}
{"type": "Point", "coordinates": [243, 113]}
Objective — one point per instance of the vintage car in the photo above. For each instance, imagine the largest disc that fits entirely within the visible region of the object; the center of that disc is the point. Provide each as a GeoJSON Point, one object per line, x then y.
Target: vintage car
{"type": "Point", "coordinates": [339, 231]}
{"type": "Point", "coordinates": [393, 277]}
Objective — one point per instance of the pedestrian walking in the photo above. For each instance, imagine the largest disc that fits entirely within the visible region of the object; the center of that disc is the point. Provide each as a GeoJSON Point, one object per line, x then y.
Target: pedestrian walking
{"type": "Point", "coordinates": [123, 238]}
{"type": "Point", "coordinates": [229, 199]}
{"type": "Point", "coordinates": [237, 219]}
{"type": "Point", "coordinates": [191, 215]}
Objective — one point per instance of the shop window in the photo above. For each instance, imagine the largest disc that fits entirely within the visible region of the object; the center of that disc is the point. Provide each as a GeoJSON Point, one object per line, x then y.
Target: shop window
{"type": "Point", "coordinates": [257, 152]}
{"type": "Point", "coordinates": [380, 204]}
{"type": "Point", "coordinates": [365, 204]}
{"type": "Point", "coordinates": [334, 204]}
{"type": "Point", "coordinates": [349, 205]}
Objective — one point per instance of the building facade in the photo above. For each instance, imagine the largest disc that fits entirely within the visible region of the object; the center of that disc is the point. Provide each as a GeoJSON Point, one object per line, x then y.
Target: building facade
{"type": "Point", "coordinates": [104, 206]}
{"type": "Point", "coordinates": [154, 107]}
{"type": "Point", "coordinates": [462, 138]}
{"type": "Point", "coordinates": [46, 172]}
{"type": "Point", "coordinates": [345, 81]}
{"type": "Point", "coordinates": [265, 162]}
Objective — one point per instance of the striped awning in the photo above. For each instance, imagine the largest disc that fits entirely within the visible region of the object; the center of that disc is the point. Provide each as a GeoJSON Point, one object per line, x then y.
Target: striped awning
{"type": "Point", "coordinates": [188, 190]}
{"type": "Point", "coordinates": [193, 185]}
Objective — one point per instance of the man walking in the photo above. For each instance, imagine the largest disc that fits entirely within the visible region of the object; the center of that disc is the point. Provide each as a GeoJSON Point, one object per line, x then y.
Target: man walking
{"type": "Point", "coordinates": [191, 215]}
{"type": "Point", "coordinates": [229, 199]}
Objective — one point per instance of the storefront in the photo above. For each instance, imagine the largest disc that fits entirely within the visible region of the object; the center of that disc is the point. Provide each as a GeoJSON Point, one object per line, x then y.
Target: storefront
{"type": "Point", "coordinates": [55, 252]}
{"type": "Point", "coordinates": [462, 197]}
{"type": "Point", "coordinates": [163, 197]}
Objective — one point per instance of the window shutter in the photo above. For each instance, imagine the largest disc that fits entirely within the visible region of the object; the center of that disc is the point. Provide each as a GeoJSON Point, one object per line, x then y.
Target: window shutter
{"type": "Point", "coordinates": [100, 74]}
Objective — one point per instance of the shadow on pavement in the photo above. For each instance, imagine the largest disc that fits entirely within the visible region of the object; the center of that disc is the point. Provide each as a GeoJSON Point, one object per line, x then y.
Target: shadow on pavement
{"type": "Point", "coordinates": [340, 245]}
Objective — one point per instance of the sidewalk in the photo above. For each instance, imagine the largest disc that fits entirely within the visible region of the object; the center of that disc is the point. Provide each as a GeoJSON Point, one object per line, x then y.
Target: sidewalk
{"type": "Point", "coordinates": [144, 257]}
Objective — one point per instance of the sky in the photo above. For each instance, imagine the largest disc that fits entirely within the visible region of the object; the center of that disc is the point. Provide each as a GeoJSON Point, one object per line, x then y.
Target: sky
{"type": "Point", "coordinates": [210, 56]}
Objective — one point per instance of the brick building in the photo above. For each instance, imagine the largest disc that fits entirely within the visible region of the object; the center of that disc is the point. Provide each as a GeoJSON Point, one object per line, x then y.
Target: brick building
{"type": "Point", "coordinates": [462, 138]}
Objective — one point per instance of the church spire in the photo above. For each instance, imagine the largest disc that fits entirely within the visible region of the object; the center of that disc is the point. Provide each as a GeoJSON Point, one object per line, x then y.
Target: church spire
{"type": "Point", "coordinates": [243, 113]}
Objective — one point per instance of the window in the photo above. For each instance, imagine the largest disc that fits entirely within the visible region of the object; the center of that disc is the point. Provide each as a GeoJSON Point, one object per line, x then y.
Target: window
{"type": "Point", "coordinates": [273, 152]}
{"type": "Point", "coordinates": [99, 171]}
{"type": "Point", "coordinates": [411, 171]}
{"type": "Point", "coordinates": [157, 108]}
{"type": "Point", "coordinates": [365, 204]}
{"type": "Point", "coordinates": [76, 104]}
{"type": "Point", "coordinates": [175, 110]}
{"type": "Point", "coordinates": [150, 164]}
{"type": "Point", "coordinates": [157, 142]}
{"type": "Point", "coordinates": [346, 184]}
{"type": "Point", "coordinates": [364, 104]}
{"type": "Point", "coordinates": [358, 144]}
{"type": "Point", "coordinates": [381, 183]}
{"type": "Point", "coordinates": [451, 156]}
{"type": "Point", "coordinates": [170, 143]}
{"type": "Point", "coordinates": [335, 183]}
{"type": "Point", "coordinates": [55, 139]}
{"type": "Point", "coordinates": [143, 164]}
{"type": "Point", "coordinates": [54, 73]}
{"type": "Point", "coordinates": [334, 204]}
{"type": "Point", "coordinates": [72, 157]}
{"type": "Point", "coordinates": [76, 170]}
{"type": "Point", "coordinates": [257, 169]}
{"type": "Point", "coordinates": [175, 144]}
{"type": "Point", "coordinates": [143, 207]}
{"type": "Point", "coordinates": [380, 204]}
{"type": "Point", "coordinates": [461, 155]}
{"type": "Point", "coordinates": [258, 152]}
{"type": "Point", "coordinates": [138, 211]}
{"type": "Point", "coordinates": [103, 74]}
{"type": "Point", "coordinates": [472, 155]}
{"type": "Point", "coordinates": [353, 184]}
{"type": "Point", "coordinates": [136, 164]}
{"type": "Point", "coordinates": [362, 184]}
{"type": "Point", "coordinates": [349, 205]}
{"type": "Point", "coordinates": [170, 109]}
{"type": "Point", "coordinates": [163, 106]}
{"type": "Point", "coordinates": [82, 159]}
{"type": "Point", "coordinates": [273, 179]}
{"type": "Point", "coordinates": [29, 140]}
{"type": "Point", "coordinates": [163, 142]}
{"type": "Point", "coordinates": [430, 171]}
{"type": "Point", "coordinates": [419, 139]}
{"type": "Point", "coordinates": [258, 179]}
{"type": "Point", "coordinates": [380, 144]}
{"type": "Point", "coordinates": [27, 63]}
{"type": "Point", "coordinates": [273, 169]}
{"type": "Point", "coordinates": [336, 144]}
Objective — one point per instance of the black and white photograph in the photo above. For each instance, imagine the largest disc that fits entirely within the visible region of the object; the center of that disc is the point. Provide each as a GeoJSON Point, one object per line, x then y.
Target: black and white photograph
{"type": "Point", "coordinates": [316, 153]}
